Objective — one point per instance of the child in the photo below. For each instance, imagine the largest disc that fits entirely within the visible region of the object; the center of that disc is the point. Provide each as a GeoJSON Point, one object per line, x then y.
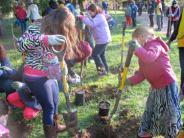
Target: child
{"type": "Point", "coordinates": [6, 72]}
{"type": "Point", "coordinates": [134, 10]}
{"type": "Point", "coordinates": [128, 12]}
{"type": "Point", "coordinates": [162, 115]}
{"type": "Point", "coordinates": [102, 37]}
{"type": "Point", "coordinates": [42, 68]}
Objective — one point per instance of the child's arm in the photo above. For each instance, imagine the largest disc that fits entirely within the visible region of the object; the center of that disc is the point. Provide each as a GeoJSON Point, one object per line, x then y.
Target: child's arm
{"type": "Point", "coordinates": [92, 22]}
{"type": "Point", "coordinates": [150, 55]}
{"type": "Point", "coordinates": [30, 39]}
{"type": "Point", "coordinates": [137, 78]}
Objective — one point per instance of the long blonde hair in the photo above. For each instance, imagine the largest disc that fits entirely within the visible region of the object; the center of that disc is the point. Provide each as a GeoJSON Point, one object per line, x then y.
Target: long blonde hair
{"type": "Point", "coordinates": [145, 32]}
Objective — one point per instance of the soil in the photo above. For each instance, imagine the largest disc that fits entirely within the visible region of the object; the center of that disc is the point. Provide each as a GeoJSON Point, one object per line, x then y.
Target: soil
{"type": "Point", "coordinates": [126, 128]}
{"type": "Point", "coordinates": [93, 91]}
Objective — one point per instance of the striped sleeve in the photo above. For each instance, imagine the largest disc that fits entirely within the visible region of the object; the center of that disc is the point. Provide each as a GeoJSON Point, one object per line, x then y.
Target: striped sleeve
{"type": "Point", "coordinates": [30, 39]}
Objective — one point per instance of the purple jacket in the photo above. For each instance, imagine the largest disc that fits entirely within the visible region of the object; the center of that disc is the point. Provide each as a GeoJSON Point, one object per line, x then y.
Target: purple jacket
{"type": "Point", "coordinates": [100, 28]}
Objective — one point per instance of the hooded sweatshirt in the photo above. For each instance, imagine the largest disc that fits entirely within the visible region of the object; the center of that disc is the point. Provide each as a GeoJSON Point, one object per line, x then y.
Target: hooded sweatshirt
{"type": "Point", "coordinates": [154, 64]}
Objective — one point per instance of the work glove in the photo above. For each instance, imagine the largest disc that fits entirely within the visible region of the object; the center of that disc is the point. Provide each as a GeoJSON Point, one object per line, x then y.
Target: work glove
{"type": "Point", "coordinates": [134, 44]}
{"type": "Point", "coordinates": [17, 85]}
{"type": "Point", "coordinates": [56, 39]}
{"type": "Point", "coordinates": [6, 68]}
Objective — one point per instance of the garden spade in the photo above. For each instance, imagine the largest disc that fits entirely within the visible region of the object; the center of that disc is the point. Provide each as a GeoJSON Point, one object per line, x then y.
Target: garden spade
{"type": "Point", "coordinates": [122, 43]}
{"type": "Point", "coordinates": [123, 76]}
{"type": "Point", "coordinates": [70, 115]}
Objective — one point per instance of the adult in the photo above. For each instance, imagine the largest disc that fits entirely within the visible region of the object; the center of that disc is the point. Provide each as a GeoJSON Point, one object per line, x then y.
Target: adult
{"type": "Point", "coordinates": [42, 67]}
{"type": "Point", "coordinates": [6, 73]}
{"type": "Point", "coordinates": [159, 13]}
{"type": "Point", "coordinates": [178, 34]}
{"type": "Point", "coordinates": [151, 11]}
{"type": "Point", "coordinates": [173, 16]}
{"type": "Point", "coordinates": [33, 11]}
{"type": "Point", "coordinates": [70, 6]}
{"type": "Point", "coordinates": [52, 5]}
{"type": "Point", "coordinates": [102, 37]}
{"type": "Point", "coordinates": [105, 6]}
{"type": "Point", "coordinates": [134, 10]}
{"type": "Point", "coordinates": [21, 14]}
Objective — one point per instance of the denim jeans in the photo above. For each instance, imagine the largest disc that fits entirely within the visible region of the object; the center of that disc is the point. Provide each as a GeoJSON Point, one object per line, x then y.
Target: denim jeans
{"type": "Point", "coordinates": [158, 18]}
{"type": "Point", "coordinates": [5, 86]}
{"type": "Point", "coordinates": [151, 20]}
{"type": "Point", "coordinates": [134, 24]}
{"type": "Point", "coordinates": [47, 94]}
{"type": "Point", "coordinates": [23, 25]}
{"type": "Point", "coordinates": [99, 56]}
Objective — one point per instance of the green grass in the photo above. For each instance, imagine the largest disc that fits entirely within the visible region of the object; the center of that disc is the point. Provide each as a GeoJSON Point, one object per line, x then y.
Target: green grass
{"type": "Point", "coordinates": [134, 99]}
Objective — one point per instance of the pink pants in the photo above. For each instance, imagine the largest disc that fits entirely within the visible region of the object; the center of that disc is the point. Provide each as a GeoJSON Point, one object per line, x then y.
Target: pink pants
{"type": "Point", "coordinates": [28, 112]}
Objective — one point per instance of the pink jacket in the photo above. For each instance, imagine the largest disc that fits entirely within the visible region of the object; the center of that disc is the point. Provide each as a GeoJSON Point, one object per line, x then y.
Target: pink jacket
{"type": "Point", "coordinates": [154, 64]}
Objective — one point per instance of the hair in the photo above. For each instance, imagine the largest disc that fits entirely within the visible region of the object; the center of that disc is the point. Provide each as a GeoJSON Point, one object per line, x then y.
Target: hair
{"type": "Point", "coordinates": [94, 8]}
{"type": "Point", "coordinates": [2, 52]}
{"type": "Point", "coordinates": [62, 21]}
{"type": "Point", "coordinates": [144, 32]}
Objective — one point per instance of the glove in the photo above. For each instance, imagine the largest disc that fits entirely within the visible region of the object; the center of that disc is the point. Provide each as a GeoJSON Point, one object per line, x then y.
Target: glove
{"type": "Point", "coordinates": [81, 17]}
{"type": "Point", "coordinates": [56, 39]}
{"type": "Point", "coordinates": [6, 68]}
{"type": "Point", "coordinates": [134, 44]}
{"type": "Point", "coordinates": [17, 85]}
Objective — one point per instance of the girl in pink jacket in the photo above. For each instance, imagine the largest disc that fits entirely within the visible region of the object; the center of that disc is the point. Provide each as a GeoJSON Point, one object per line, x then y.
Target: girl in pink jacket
{"type": "Point", "coordinates": [162, 115]}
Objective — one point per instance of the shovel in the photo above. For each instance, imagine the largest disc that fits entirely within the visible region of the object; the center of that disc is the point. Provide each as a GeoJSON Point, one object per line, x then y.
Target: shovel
{"type": "Point", "coordinates": [122, 80]}
{"type": "Point", "coordinates": [70, 116]}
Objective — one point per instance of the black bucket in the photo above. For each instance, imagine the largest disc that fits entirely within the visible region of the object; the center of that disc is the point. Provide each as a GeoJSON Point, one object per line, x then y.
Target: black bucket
{"type": "Point", "coordinates": [104, 108]}
{"type": "Point", "coordinates": [80, 98]}
{"type": "Point", "coordinates": [71, 122]}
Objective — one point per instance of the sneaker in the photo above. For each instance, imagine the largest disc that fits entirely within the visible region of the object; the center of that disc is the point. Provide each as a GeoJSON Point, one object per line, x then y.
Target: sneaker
{"type": "Point", "coordinates": [75, 79]}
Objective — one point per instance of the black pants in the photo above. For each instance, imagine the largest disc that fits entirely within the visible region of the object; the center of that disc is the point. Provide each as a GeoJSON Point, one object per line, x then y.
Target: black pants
{"type": "Point", "coordinates": [169, 28]}
{"type": "Point", "coordinates": [99, 56]}
{"type": "Point", "coordinates": [151, 20]}
{"type": "Point", "coordinates": [181, 58]}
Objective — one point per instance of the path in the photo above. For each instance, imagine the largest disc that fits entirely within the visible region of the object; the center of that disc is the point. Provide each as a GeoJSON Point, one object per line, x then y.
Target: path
{"type": "Point", "coordinates": [144, 20]}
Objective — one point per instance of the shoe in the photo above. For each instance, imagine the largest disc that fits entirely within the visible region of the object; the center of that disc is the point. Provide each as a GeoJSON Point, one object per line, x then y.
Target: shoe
{"type": "Point", "coordinates": [50, 131]}
{"type": "Point", "coordinates": [102, 71]}
{"type": "Point", "coordinates": [59, 128]}
{"type": "Point", "coordinates": [75, 79]}
{"type": "Point", "coordinates": [144, 135]}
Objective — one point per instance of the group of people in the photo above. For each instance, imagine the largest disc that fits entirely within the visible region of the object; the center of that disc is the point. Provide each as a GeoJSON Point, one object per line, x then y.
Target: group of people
{"type": "Point", "coordinates": [38, 88]}
{"type": "Point", "coordinates": [41, 71]}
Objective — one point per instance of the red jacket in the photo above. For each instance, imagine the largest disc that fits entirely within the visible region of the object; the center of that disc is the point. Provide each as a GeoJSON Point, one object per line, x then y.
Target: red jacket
{"type": "Point", "coordinates": [154, 64]}
{"type": "Point", "coordinates": [20, 13]}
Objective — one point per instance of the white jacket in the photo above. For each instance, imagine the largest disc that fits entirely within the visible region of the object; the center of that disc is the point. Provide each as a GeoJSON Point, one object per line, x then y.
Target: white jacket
{"type": "Point", "coordinates": [33, 12]}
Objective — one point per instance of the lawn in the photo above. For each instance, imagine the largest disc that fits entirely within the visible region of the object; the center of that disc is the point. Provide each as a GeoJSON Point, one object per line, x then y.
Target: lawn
{"type": "Point", "coordinates": [126, 120]}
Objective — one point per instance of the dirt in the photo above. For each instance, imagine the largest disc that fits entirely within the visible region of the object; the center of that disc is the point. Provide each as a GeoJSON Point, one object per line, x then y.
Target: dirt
{"type": "Point", "coordinates": [94, 91]}
{"type": "Point", "coordinates": [127, 127]}
{"type": "Point", "coordinates": [114, 70]}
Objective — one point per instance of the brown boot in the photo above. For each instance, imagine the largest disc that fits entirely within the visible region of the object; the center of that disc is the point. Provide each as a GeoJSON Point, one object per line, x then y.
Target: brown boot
{"type": "Point", "coordinates": [59, 127]}
{"type": "Point", "coordinates": [50, 131]}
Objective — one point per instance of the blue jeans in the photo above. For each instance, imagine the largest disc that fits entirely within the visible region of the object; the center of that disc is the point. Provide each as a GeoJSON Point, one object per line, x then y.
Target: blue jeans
{"type": "Point", "coordinates": [47, 94]}
{"type": "Point", "coordinates": [99, 56]}
{"type": "Point", "coordinates": [5, 86]}
{"type": "Point", "coordinates": [23, 25]}
{"type": "Point", "coordinates": [134, 23]}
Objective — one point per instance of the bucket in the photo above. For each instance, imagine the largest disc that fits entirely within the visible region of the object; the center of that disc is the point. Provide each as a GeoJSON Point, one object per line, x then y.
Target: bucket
{"type": "Point", "coordinates": [104, 107]}
{"type": "Point", "coordinates": [80, 98]}
{"type": "Point", "coordinates": [71, 121]}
